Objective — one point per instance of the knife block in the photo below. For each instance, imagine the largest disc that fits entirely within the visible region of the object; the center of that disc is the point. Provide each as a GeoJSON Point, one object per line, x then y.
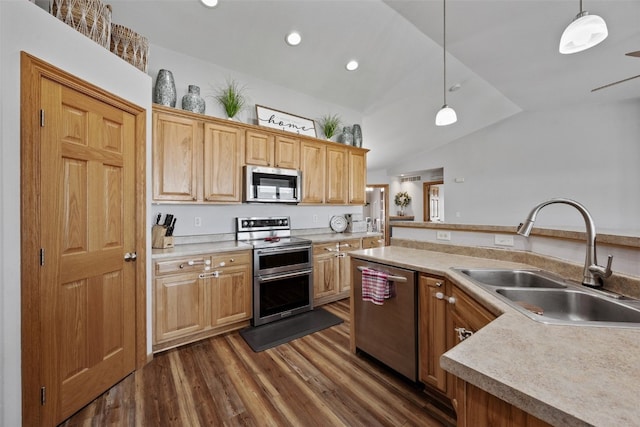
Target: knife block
{"type": "Point", "coordinates": [158, 238]}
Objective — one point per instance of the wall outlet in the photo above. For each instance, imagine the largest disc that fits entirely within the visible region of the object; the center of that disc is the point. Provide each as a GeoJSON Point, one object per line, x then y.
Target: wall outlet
{"type": "Point", "coordinates": [197, 221]}
{"type": "Point", "coordinates": [443, 235]}
{"type": "Point", "coordinates": [503, 240]}
{"type": "Point", "coordinates": [315, 218]}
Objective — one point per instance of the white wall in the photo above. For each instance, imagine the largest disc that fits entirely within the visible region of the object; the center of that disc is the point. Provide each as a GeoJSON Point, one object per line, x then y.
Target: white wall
{"type": "Point", "coordinates": [589, 153]}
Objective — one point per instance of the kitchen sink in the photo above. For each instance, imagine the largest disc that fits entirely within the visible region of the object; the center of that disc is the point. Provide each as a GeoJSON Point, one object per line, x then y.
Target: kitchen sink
{"type": "Point", "coordinates": [547, 298]}
{"type": "Point", "coordinates": [571, 305]}
{"type": "Point", "coordinates": [513, 278]}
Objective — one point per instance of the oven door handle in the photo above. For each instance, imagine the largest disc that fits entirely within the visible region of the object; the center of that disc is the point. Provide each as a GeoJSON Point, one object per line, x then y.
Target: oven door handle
{"type": "Point", "coordinates": [284, 276]}
{"type": "Point", "coordinates": [286, 249]}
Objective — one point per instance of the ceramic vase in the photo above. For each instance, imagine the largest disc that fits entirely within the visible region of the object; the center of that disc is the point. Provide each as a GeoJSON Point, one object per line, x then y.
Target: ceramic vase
{"type": "Point", "coordinates": [346, 137]}
{"type": "Point", "coordinates": [357, 136]}
{"type": "Point", "coordinates": [165, 89]}
{"type": "Point", "coordinates": [192, 101]}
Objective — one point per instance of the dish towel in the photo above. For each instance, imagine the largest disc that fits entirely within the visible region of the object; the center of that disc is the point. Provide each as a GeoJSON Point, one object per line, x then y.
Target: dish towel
{"type": "Point", "coordinates": [376, 286]}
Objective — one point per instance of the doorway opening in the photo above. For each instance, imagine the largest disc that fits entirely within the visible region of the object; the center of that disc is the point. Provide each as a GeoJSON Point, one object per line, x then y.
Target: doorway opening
{"type": "Point", "coordinates": [376, 210]}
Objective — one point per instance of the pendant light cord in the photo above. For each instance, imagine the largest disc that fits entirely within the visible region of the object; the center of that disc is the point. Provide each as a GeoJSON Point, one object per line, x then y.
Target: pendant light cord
{"type": "Point", "coordinates": [444, 50]}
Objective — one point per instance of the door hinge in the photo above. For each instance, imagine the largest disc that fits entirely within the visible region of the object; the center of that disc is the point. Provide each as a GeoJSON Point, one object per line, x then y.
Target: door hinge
{"type": "Point", "coordinates": [41, 257]}
{"type": "Point", "coordinates": [41, 118]}
{"type": "Point", "coordinates": [43, 395]}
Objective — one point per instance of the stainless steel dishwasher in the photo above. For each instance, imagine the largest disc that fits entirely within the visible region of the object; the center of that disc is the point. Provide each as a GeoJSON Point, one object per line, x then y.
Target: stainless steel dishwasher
{"type": "Point", "coordinates": [388, 332]}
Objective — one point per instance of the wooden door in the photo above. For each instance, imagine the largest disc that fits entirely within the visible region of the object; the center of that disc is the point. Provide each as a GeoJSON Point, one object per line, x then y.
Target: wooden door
{"type": "Point", "coordinates": [337, 175]}
{"type": "Point", "coordinates": [325, 272]}
{"type": "Point", "coordinates": [87, 290]}
{"type": "Point", "coordinates": [287, 152]}
{"type": "Point", "coordinates": [357, 177]}
{"type": "Point", "coordinates": [223, 154]}
{"type": "Point", "coordinates": [176, 157]}
{"type": "Point", "coordinates": [258, 148]}
{"type": "Point", "coordinates": [312, 163]}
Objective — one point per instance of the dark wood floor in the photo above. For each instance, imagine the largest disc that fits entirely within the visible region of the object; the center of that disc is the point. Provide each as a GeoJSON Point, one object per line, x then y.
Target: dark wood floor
{"type": "Point", "coordinates": [311, 381]}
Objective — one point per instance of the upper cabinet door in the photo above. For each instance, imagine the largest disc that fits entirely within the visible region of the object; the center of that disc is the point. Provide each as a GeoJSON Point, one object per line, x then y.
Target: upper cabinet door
{"type": "Point", "coordinates": [337, 175]}
{"type": "Point", "coordinates": [357, 177]}
{"type": "Point", "coordinates": [259, 148]}
{"type": "Point", "coordinates": [287, 152]}
{"type": "Point", "coordinates": [313, 166]}
{"type": "Point", "coordinates": [223, 154]}
{"type": "Point", "coordinates": [175, 157]}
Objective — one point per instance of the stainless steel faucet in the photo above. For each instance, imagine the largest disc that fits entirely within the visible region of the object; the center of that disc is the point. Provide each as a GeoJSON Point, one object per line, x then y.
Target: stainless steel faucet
{"type": "Point", "coordinates": [591, 267]}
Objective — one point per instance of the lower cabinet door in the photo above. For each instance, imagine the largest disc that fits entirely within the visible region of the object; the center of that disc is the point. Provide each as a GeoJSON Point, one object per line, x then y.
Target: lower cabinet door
{"type": "Point", "coordinates": [231, 295]}
{"type": "Point", "coordinates": [179, 306]}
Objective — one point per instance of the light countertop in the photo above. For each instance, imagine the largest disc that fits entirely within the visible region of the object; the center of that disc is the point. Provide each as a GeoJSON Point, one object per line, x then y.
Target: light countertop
{"type": "Point", "coordinates": [564, 375]}
{"type": "Point", "coordinates": [192, 249]}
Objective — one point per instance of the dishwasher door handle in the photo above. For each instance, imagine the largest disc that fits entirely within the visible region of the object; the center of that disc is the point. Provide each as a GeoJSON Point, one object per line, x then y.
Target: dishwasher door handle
{"type": "Point", "coordinates": [391, 278]}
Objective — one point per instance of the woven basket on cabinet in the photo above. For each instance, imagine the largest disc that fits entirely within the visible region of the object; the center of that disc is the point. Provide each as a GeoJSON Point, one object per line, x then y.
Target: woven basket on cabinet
{"type": "Point", "coordinates": [130, 46]}
{"type": "Point", "coordinates": [89, 17]}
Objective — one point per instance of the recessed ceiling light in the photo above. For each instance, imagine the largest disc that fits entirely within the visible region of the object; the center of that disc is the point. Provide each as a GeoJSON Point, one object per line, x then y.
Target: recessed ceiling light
{"type": "Point", "coordinates": [293, 38]}
{"type": "Point", "coordinates": [210, 3]}
{"type": "Point", "coordinates": [352, 65]}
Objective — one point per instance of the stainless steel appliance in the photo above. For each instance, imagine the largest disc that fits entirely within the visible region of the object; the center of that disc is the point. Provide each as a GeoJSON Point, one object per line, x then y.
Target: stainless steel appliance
{"type": "Point", "coordinates": [282, 268]}
{"type": "Point", "coordinates": [388, 332]}
{"type": "Point", "coordinates": [272, 185]}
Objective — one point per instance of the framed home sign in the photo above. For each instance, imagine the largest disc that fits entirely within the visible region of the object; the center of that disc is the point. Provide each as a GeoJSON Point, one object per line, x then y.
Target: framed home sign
{"type": "Point", "coordinates": [284, 121]}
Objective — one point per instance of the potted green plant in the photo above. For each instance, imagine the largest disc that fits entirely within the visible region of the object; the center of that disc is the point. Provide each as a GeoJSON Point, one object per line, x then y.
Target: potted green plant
{"type": "Point", "coordinates": [231, 97]}
{"type": "Point", "coordinates": [402, 199]}
{"type": "Point", "coordinates": [329, 125]}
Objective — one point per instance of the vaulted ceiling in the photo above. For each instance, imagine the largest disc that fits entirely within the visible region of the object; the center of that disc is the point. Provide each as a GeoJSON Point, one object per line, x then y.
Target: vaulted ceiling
{"type": "Point", "coordinates": [503, 53]}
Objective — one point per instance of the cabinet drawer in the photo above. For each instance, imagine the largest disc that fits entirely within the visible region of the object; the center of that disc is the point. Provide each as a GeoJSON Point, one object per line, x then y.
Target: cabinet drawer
{"type": "Point", "coordinates": [372, 242]}
{"type": "Point", "coordinates": [325, 248]}
{"type": "Point", "coordinates": [182, 265]}
{"type": "Point", "coordinates": [230, 259]}
{"type": "Point", "coordinates": [350, 245]}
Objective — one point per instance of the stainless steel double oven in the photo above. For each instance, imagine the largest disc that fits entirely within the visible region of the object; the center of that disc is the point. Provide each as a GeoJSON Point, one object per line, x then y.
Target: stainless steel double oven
{"type": "Point", "coordinates": [282, 268]}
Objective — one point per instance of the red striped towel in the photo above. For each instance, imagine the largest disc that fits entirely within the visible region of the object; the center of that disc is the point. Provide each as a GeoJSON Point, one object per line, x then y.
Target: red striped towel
{"type": "Point", "coordinates": [376, 287]}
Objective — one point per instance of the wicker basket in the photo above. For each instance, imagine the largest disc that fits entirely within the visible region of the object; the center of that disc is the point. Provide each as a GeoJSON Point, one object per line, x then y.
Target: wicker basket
{"type": "Point", "coordinates": [130, 46]}
{"type": "Point", "coordinates": [90, 17]}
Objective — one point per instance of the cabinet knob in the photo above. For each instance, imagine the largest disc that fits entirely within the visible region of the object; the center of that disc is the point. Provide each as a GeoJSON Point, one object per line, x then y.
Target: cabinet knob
{"type": "Point", "coordinates": [438, 284]}
{"type": "Point", "coordinates": [439, 295]}
{"type": "Point", "coordinates": [451, 300]}
{"type": "Point", "coordinates": [222, 264]}
{"type": "Point", "coordinates": [463, 333]}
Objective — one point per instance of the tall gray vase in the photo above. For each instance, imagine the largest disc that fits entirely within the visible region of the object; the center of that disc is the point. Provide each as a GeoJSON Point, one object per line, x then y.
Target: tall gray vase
{"type": "Point", "coordinates": [192, 101]}
{"type": "Point", "coordinates": [357, 136]}
{"type": "Point", "coordinates": [165, 90]}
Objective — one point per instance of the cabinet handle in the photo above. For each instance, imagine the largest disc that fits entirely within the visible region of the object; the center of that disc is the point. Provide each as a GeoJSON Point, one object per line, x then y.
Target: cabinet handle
{"type": "Point", "coordinates": [209, 274]}
{"type": "Point", "coordinates": [330, 249]}
{"type": "Point", "coordinates": [463, 333]}
{"type": "Point", "coordinates": [341, 255]}
{"type": "Point", "coordinates": [195, 262]}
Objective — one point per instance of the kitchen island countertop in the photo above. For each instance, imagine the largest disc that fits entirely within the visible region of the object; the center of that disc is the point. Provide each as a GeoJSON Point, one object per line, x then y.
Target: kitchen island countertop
{"type": "Point", "coordinates": [564, 375]}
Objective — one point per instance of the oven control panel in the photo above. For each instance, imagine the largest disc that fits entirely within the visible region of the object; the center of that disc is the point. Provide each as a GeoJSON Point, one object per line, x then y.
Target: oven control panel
{"type": "Point", "coordinates": [263, 223]}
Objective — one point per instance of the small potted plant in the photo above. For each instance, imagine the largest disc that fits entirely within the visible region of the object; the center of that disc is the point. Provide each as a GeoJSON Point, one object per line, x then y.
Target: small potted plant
{"type": "Point", "coordinates": [231, 97]}
{"type": "Point", "coordinates": [329, 125]}
{"type": "Point", "coordinates": [402, 200]}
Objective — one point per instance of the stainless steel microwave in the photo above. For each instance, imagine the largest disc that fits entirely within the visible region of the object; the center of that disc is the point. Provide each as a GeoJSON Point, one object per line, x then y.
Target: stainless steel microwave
{"type": "Point", "coordinates": [272, 185]}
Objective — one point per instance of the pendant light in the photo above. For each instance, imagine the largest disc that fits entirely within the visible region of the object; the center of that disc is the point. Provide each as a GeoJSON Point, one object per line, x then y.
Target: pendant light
{"type": "Point", "coordinates": [584, 32]}
{"type": "Point", "coordinates": [446, 115]}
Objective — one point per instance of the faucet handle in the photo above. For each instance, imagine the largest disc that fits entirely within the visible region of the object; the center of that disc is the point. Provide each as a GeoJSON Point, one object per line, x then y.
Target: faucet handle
{"type": "Point", "coordinates": [603, 272]}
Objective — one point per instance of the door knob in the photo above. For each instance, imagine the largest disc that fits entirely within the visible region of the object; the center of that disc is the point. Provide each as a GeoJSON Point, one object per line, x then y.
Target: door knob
{"type": "Point", "coordinates": [130, 256]}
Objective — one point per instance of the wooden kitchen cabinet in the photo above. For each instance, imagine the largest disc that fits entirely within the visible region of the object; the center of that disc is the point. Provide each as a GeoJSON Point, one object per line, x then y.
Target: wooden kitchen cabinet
{"type": "Point", "coordinates": [357, 177]}
{"type": "Point", "coordinates": [444, 310]}
{"type": "Point", "coordinates": [200, 296]}
{"type": "Point", "coordinates": [176, 157]}
{"type": "Point", "coordinates": [332, 270]}
{"type": "Point", "coordinates": [337, 175]}
{"type": "Point", "coordinates": [313, 166]}
{"type": "Point", "coordinates": [196, 159]}
{"type": "Point", "coordinates": [477, 408]}
{"type": "Point", "coordinates": [265, 149]}
{"type": "Point", "coordinates": [223, 152]}
{"type": "Point", "coordinates": [372, 242]}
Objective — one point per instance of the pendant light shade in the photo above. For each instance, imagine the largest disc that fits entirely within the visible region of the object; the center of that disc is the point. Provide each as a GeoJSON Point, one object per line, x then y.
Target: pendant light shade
{"type": "Point", "coordinates": [583, 33]}
{"type": "Point", "coordinates": [446, 115]}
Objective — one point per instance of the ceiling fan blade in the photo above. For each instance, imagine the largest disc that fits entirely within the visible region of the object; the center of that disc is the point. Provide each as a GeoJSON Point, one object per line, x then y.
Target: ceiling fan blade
{"type": "Point", "coordinates": [615, 83]}
{"type": "Point", "coordinates": [636, 54]}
